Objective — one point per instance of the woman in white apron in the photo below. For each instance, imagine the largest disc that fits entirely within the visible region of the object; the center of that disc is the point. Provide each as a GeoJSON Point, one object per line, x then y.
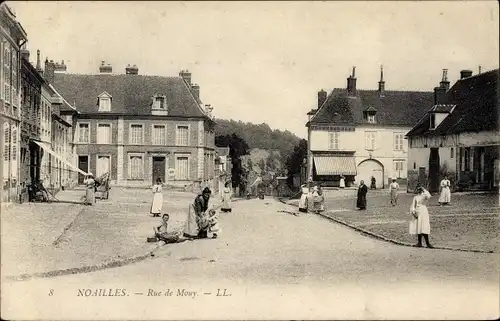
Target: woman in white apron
{"type": "Point", "coordinates": [157, 204]}
{"type": "Point", "coordinates": [420, 224]}
{"type": "Point", "coordinates": [445, 195]}
{"type": "Point", "coordinates": [304, 199]}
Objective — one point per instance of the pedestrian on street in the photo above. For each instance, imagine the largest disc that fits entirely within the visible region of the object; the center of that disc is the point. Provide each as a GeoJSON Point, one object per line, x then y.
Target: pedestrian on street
{"type": "Point", "coordinates": [342, 181]}
{"type": "Point", "coordinates": [304, 199]}
{"type": "Point", "coordinates": [157, 203]}
{"type": "Point", "coordinates": [226, 198]}
{"type": "Point", "coordinates": [90, 186]}
{"type": "Point", "coordinates": [393, 190]}
{"type": "Point", "coordinates": [445, 194]}
{"type": "Point", "coordinates": [361, 201]}
{"type": "Point", "coordinates": [317, 199]}
{"type": "Point", "coordinates": [373, 184]}
{"type": "Point", "coordinates": [197, 224]}
{"type": "Point", "coordinates": [420, 224]}
{"type": "Point", "coordinates": [162, 234]}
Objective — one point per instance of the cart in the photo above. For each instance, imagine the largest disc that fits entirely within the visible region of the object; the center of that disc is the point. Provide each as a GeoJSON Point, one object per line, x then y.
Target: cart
{"type": "Point", "coordinates": [102, 186]}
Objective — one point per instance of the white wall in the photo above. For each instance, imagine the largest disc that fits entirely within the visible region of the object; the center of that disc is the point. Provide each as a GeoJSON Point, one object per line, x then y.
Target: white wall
{"type": "Point", "coordinates": [320, 139]}
{"type": "Point", "coordinates": [478, 139]}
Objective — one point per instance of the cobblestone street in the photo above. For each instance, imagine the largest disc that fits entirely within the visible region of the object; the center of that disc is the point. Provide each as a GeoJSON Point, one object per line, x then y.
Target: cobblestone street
{"type": "Point", "coordinates": [317, 268]}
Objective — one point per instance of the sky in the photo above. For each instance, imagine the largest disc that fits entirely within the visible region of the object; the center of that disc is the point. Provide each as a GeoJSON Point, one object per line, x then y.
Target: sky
{"type": "Point", "coordinates": [265, 61]}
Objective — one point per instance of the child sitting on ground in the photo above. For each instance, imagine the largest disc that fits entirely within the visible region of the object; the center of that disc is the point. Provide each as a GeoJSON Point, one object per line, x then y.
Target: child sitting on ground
{"type": "Point", "coordinates": [161, 231]}
{"type": "Point", "coordinates": [213, 222]}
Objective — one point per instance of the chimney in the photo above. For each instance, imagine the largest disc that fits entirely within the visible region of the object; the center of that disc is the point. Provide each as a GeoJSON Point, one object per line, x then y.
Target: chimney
{"type": "Point", "coordinates": [381, 83]}
{"type": "Point", "coordinates": [465, 74]}
{"type": "Point", "coordinates": [208, 110]}
{"type": "Point", "coordinates": [186, 75]}
{"type": "Point", "coordinates": [444, 82]}
{"type": "Point", "coordinates": [38, 63]}
{"type": "Point", "coordinates": [439, 95]}
{"type": "Point", "coordinates": [131, 70]}
{"type": "Point", "coordinates": [25, 53]}
{"type": "Point", "coordinates": [196, 91]}
{"type": "Point", "coordinates": [321, 97]}
{"type": "Point", "coordinates": [49, 71]}
{"type": "Point", "coordinates": [105, 68]}
{"type": "Point", "coordinates": [351, 83]}
{"type": "Point", "coordinates": [479, 69]}
{"type": "Point", "coordinates": [60, 68]}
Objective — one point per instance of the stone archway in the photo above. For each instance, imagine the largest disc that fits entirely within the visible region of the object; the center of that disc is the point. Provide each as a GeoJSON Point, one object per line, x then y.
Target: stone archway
{"type": "Point", "coordinates": [368, 168]}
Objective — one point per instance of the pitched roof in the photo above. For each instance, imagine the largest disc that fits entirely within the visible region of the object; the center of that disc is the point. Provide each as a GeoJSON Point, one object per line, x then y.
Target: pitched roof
{"type": "Point", "coordinates": [477, 107]}
{"type": "Point", "coordinates": [132, 94]}
{"type": "Point", "coordinates": [401, 108]}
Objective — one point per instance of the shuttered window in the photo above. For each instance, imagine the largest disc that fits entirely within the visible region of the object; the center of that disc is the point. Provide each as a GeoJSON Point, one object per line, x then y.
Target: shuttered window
{"type": "Point", "coordinates": [182, 168]}
{"type": "Point", "coordinates": [398, 141]}
{"type": "Point", "coordinates": [103, 163]}
{"type": "Point", "coordinates": [159, 135]}
{"type": "Point", "coordinates": [104, 134]}
{"type": "Point", "coordinates": [136, 134]}
{"type": "Point", "coordinates": [83, 133]}
{"type": "Point", "coordinates": [136, 167]}
{"type": "Point", "coordinates": [370, 138]}
{"type": "Point", "coordinates": [333, 140]}
{"type": "Point", "coordinates": [182, 135]}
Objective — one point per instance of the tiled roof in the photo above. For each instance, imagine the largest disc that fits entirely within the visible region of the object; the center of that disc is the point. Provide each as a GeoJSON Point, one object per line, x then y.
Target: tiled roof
{"type": "Point", "coordinates": [442, 108]}
{"type": "Point", "coordinates": [400, 108]}
{"type": "Point", "coordinates": [477, 107]}
{"type": "Point", "coordinates": [132, 94]}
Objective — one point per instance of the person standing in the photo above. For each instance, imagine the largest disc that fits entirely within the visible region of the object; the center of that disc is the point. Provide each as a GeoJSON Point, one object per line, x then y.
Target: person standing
{"type": "Point", "coordinates": [226, 198]}
{"type": "Point", "coordinates": [445, 195]}
{"type": "Point", "coordinates": [373, 184]}
{"type": "Point", "coordinates": [361, 201]}
{"type": "Point", "coordinates": [157, 204]}
{"type": "Point", "coordinates": [342, 181]}
{"type": "Point", "coordinates": [393, 190]}
{"type": "Point", "coordinates": [90, 186]}
{"type": "Point", "coordinates": [198, 221]}
{"type": "Point", "coordinates": [420, 224]}
{"type": "Point", "coordinates": [304, 198]}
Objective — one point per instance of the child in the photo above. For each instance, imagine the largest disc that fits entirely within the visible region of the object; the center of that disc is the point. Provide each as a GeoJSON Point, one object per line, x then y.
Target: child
{"type": "Point", "coordinates": [213, 222]}
{"type": "Point", "coordinates": [162, 233]}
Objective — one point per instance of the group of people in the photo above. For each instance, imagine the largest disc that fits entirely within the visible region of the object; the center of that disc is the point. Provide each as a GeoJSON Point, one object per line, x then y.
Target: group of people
{"type": "Point", "coordinates": [314, 198]}
{"type": "Point", "coordinates": [202, 219]}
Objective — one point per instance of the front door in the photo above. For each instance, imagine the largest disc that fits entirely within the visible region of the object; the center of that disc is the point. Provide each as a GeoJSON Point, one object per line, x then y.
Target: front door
{"type": "Point", "coordinates": [83, 164]}
{"type": "Point", "coordinates": [434, 178]}
{"type": "Point", "coordinates": [158, 168]}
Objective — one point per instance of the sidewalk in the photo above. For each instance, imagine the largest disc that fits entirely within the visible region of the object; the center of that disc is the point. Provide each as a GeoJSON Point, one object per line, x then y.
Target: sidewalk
{"type": "Point", "coordinates": [44, 238]}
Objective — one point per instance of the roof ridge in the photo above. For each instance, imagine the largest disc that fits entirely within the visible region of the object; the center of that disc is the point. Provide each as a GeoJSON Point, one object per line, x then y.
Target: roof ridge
{"type": "Point", "coordinates": [481, 74]}
{"type": "Point", "coordinates": [118, 75]}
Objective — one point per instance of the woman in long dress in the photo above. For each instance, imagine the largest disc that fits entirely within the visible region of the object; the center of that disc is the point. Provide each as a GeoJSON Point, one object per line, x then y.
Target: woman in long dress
{"type": "Point", "coordinates": [445, 195]}
{"type": "Point", "coordinates": [198, 218]}
{"type": "Point", "coordinates": [304, 199]}
{"type": "Point", "coordinates": [393, 191]}
{"type": "Point", "coordinates": [361, 201]}
{"type": "Point", "coordinates": [90, 186]}
{"type": "Point", "coordinates": [226, 198]}
{"type": "Point", "coordinates": [420, 224]}
{"type": "Point", "coordinates": [318, 199]}
{"type": "Point", "coordinates": [342, 182]}
{"type": "Point", "coordinates": [157, 204]}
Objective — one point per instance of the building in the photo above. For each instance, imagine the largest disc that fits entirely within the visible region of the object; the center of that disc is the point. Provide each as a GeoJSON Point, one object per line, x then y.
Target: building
{"type": "Point", "coordinates": [360, 133]}
{"type": "Point", "coordinates": [12, 38]}
{"type": "Point", "coordinates": [139, 128]}
{"type": "Point", "coordinates": [459, 136]}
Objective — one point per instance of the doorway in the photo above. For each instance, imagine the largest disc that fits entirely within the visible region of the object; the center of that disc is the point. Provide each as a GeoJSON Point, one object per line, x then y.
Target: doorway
{"type": "Point", "coordinates": [434, 170]}
{"type": "Point", "coordinates": [158, 170]}
{"type": "Point", "coordinates": [83, 164]}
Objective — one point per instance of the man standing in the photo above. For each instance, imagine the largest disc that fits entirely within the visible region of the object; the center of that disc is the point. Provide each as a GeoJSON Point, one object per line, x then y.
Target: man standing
{"type": "Point", "coordinates": [362, 190]}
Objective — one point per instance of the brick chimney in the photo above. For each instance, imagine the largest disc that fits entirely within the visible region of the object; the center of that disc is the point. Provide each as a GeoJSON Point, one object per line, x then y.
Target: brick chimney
{"type": "Point", "coordinates": [25, 53]}
{"type": "Point", "coordinates": [186, 75]}
{"type": "Point", "coordinates": [38, 63]}
{"type": "Point", "coordinates": [321, 97]}
{"type": "Point", "coordinates": [465, 74]}
{"type": "Point", "coordinates": [351, 83]}
{"type": "Point", "coordinates": [381, 83]}
{"type": "Point", "coordinates": [60, 68]}
{"type": "Point", "coordinates": [105, 68]}
{"type": "Point", "coordinates": [444, 82]}
{"type": "Point", "coordinates": [131, 70]}
{"type": "Point", "coordinates": [49, 70]}
{"type": "Point", "coordinates": [196, 90]}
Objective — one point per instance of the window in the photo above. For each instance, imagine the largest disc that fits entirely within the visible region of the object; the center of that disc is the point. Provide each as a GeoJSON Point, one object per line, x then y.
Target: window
{"type": "Point", "coordinates": [6, 146]}
{"type": "Point", "coordinates": [182, 168]}
{"type": "Point", "coordinates": [83, 133]}
{"type": "Point", "coordinates": [433, 121]}
{"type": "Point", "coordinates": [104, 104]}
{"type": "Point", "coordinates": [467, 159]}
{"type": "Point", "coordinates": [452, 152]}
{"type": "Point", "coordinates": [159, 102]}
{"type": "Point", "coordinates": [398, 166]}
{"type": "Point", "coordinates": [182, 137]}
{"type": "Point", "coordinates": [7, 72]}
{"type": "Point", "coordinates": [104, 134]}
{"type": "Point", "coordinates": [370, 140]}
{"type": "Point", "coordinates": [13, 140]}
{"type": "Point", "coordinates": [159, 135]}
{"type": "Point", "coordinates": [136, 167]}
{"type": "Point", "coordinates": [333, 140]}
{"type": "Point", "coordinates": [103, 165]}
{"type": "Point", "coordinates": [371, 119]}
{"type": "Point", "coordinates": [136, 134]}
{"type": "Point", "coordinates": [398, 141]}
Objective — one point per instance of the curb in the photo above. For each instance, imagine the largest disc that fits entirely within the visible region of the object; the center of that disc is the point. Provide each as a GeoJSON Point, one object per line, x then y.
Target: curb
{"type": "Point", "coordinates": [386, 239]}
{"type": "Point", "coordinates": [86, 269]}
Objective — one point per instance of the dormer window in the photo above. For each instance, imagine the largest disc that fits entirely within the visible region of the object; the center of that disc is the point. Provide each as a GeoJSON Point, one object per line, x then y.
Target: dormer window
{"type": "Point", "coordinates": [371, 119]}
{"type": "Point", "coordinates": [104, 101]}
{"type": "Point", "coordinates": [369, 114]}
{"type": "Point", "coordinates": [159, 102]}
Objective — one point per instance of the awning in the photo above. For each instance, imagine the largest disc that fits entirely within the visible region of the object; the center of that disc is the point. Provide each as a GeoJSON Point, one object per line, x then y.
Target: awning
{"type": "Point", "coordinates": [335, 165]}
{"type": "Point", "coordinates": [46, 147]}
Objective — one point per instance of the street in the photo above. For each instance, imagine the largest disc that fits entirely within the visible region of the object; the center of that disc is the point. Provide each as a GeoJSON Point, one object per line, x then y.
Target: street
{"type": "Point", "coordinates": [271, 264]}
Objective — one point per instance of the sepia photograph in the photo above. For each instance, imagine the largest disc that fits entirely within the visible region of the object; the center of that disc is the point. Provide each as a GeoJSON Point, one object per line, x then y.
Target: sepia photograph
{"type": "Point", "coordinates": [249, 160]}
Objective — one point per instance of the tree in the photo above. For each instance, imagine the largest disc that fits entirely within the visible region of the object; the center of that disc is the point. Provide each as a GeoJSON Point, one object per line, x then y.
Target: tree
{"type": "Point", "coordinates": [262, 165]}
{"type": "Point", "coordinates": [250, 164]}
{"type": "Point", "coordinates": [295, 160]}
{"type": "Point", "coordinates": [237, 148]}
